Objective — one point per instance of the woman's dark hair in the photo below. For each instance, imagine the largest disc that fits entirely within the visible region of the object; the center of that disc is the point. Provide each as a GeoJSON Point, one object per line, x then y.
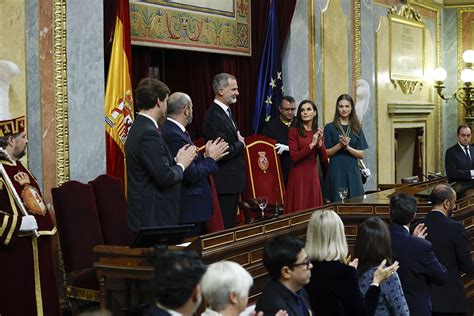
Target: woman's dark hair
{"type": "Point", "coordinates": [354, 122]}
{"type": "Point", "coordinates": [299, 121]}
{"type": "Point", "coordinates": [372, 244]}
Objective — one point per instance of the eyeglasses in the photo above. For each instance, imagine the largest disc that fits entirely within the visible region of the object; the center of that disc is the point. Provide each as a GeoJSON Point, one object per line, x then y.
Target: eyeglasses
{"type": "Point", "coordinates": [306, 262]}
{"type": "Point", "coordinates": [288, 109]}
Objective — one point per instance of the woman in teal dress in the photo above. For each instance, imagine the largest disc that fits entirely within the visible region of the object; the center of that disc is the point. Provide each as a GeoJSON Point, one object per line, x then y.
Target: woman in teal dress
{"type": "Point", "coordinates": [345, 143]}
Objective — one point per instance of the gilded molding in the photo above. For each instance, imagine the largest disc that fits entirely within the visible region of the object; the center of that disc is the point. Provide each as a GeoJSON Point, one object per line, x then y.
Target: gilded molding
{"type": "Point", "coordinates": [407, 13]}
{"type": "Point", "coordinates": [311, 51]}
{"type": "Point", "coordinates": [356, 57]}
{"type": "Point", "coordinates": [60, 91]}
{"type": "Point", "coordinates": [460, 62]}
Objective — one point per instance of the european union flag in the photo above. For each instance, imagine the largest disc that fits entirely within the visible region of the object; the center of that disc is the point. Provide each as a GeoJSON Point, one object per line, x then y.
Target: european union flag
{"type": "Point", "coordinates": [270, 81]}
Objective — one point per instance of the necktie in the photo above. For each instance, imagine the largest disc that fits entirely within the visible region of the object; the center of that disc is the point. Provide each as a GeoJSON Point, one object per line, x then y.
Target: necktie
{"type": "Point", "coordinates": [466, 152]}
{"type": "Point", "coordinates": [189, 136]}
{"type": "Point", "coordinates": [229, 112]}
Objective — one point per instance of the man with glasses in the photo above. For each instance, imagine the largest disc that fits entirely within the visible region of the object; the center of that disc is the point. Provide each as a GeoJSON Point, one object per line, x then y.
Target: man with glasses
{"type": "Point", "coordinates": [289, 269]}
{"type": "Point", "coordinates": [277, 128]}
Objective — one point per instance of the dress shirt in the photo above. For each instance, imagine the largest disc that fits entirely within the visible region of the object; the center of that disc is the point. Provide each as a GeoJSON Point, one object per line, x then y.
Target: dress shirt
{"type": "Point", "coordinates": [469, 153]}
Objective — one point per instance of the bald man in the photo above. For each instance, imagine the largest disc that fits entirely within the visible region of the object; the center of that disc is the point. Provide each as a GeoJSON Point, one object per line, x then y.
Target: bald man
{"type": "Point", "coordinates": [196, 199]}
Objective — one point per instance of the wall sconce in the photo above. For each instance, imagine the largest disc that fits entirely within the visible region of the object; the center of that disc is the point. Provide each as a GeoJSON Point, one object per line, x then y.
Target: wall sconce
{"type": "Point", "coordinates": [464, 94]}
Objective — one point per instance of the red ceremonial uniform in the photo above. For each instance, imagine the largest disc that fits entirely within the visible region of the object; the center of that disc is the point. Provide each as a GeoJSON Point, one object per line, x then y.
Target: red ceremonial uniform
{"type": "Point", "coordinates": [26, 262]}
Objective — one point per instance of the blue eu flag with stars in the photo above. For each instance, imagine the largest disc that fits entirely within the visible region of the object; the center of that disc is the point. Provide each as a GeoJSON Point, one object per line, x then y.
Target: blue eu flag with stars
{"type": "Point", "coordinates": [270, 82]}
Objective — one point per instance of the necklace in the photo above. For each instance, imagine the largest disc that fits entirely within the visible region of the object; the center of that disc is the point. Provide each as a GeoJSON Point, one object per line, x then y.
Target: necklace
{"type": "Point", "coordinates": [346, 132]}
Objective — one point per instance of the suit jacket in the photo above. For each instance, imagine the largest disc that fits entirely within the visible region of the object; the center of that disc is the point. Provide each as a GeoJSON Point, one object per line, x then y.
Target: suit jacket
{"type": "Point", "coordinates": [196, 197]}
{"type": "Point", "coordinates": [451, 247]}
{"type": "Point", "coordinates": [334, 290]}
{"type": "Point", "coordinates": [276, 296]}
{"type": "Point", "coordinates": [278, 131]}
{"type": "Point", "coordinates": [230, 178]}
{"type": "Point", "coordinates": [419, 268]}
{"type": "Point", "coordinates": [153, 178]}
{"type": "Point", "coordinates": [156, 311]}
{"type": "Point", "coordinates": [457, 166]}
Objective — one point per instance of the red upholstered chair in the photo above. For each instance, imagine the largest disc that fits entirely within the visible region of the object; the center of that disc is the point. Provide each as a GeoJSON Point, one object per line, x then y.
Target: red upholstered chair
{"type": "Point", "coordinates": [263, 175]}
{"type": "Point", "coordinates": [112, 209]}
{"type": "Point", "coordinates": [79, 231]}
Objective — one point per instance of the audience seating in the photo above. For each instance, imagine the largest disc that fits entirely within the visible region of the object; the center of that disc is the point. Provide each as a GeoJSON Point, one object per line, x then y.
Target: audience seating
{"type": "Point", "coordinates": [79, 231]}
{"type": "Point", "coordinates": [112, 209]}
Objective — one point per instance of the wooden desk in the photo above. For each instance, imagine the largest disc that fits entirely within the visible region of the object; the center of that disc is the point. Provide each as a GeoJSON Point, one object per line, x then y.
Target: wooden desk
{"type": "Point", "coordinates": [124, 274]}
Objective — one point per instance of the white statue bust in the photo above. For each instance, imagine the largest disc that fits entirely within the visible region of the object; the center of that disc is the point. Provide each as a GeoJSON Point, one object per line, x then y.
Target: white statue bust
{"type": "Point", "coordinates": [8, 70]}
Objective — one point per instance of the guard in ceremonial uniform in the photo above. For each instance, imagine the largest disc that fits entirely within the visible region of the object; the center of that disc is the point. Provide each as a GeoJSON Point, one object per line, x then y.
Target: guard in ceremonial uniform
{"type": "Point", "coordinates": [28, 282]}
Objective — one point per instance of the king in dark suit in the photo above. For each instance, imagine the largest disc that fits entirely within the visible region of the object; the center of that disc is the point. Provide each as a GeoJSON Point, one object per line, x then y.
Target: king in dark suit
{"type": "Point", "coordinates": [451, 247]}
{"type": "Point", "coordinates": [219, 122]}
{"type": "Point", "coordinates": [458, 160]}
{"type": "Point", "coordinates": [196, 197]}
{"type": "Point", "coordinates": [419, 267]}
{"type": "Point", "coordinates": [154, 176]}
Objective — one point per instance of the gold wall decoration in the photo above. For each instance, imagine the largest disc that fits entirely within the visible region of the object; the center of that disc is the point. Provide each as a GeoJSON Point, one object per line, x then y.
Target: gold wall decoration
{"type": "Point", "coordinates": [219, 26]}
{"type": "Point", "coordinates": [356, 57]}
{"type": "Point", "coordinates": [60, 91]}
{"type": "Point", "coordinates": [335, 50]}
{"type": "Point", "coordinates": [465, 16]}
{"type": "Point", "coordinates": [407, 38]}
{"type": "Point", "coordinates": [311, 51]}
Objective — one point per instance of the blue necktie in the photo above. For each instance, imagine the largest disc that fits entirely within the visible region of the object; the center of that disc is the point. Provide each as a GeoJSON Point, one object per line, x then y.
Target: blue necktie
{"type": "Point", "coordinates": [229, 112]}
{"type": "Point", "coordinates": [466, 152]}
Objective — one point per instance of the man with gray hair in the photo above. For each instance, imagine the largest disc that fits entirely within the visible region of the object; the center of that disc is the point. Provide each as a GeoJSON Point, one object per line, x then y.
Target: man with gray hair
{"type": "Point", "coordinates": [196, 197]}
{"type": "Point", "coordinates": [219, 122]}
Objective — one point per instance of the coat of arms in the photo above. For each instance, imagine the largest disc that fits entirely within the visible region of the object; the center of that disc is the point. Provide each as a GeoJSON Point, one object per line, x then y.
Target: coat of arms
{"type": "Point", "coordinates": [262, 161]}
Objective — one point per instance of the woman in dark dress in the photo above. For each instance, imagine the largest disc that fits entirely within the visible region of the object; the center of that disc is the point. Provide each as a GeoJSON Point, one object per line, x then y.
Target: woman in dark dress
{"type": "Point", "coordinates": [372, 246]}
{"type": "Point", "coordinates": [345, 143]}
{"type": "Point", "coordinates": [305, 141]}
{"type": "Point", "coordinates": [334, 288]}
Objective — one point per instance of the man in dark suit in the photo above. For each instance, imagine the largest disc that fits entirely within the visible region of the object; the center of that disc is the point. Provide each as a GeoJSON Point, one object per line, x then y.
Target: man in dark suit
{"type": "Point", "coordinates": [196, 197]}
{"type": "Point", "coordinates": [289, 269]}
{"type": "Point", "coordinates": [176, 284]}
{"type": "Point", "coordinates": [419, 267]}
{"type": "Point", "coordinates": [219, 122]}
{"type": "Point", "coordinates": [154, 176]}
{"type": "Point", "coordinates": [277, 128]}
{"type": "Point", "coordinates": [459, 162]}
{"type": "Point", "coordinates": [451, 247]}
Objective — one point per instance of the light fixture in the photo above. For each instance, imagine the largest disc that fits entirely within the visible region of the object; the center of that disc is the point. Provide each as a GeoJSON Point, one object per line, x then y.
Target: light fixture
{"type": "Point", "coordinates": [464, 94]}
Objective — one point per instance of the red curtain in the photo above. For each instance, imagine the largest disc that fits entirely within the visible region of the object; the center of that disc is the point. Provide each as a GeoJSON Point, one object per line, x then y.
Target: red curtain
{"type": "Point", "coordinates": [418, 154]}
{"type": "Point", "coordinates": [192, 72]}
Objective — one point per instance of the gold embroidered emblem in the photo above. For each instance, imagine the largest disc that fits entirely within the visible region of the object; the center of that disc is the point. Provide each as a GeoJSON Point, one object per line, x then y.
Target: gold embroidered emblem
{"type": "Point", "coordinates": [31, 198]}
{"type": "Point", "coordinates": [262, 161]}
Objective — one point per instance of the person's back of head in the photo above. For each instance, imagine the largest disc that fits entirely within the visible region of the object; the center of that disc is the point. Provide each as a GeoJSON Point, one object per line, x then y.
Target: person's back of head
{"type": "Point", "coordinates": [402, 208]}
{"type": "Point", "coordinates": [226, 283]}
{"type": "Point", "coordinates": [325, 237]}
{"type": "Point", "coordinates": [177, 277]}
{"type": "Point", "coordinates": [372, 244]}
{"type": "Point", "coordinates": [149, 90]}
{"type": "Point", "coordinates": [441, 193]}
{"type": "Point", "coordinates": [279, 252]}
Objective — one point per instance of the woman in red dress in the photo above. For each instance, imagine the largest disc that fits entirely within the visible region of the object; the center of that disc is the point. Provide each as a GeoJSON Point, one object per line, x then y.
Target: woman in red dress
{"type": "Point", "coordinates": [306, 143]}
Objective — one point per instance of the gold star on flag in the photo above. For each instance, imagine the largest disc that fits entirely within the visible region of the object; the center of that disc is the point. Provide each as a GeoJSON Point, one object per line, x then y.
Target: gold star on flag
{"type": "Point", "coordinates": [282, 90]}
{"type": "Point", "coordinates": [272, 83]}
{"type": "Point", "coordinates": [279, 75]}
{"type": "Point", "coordinates": [268, 100]}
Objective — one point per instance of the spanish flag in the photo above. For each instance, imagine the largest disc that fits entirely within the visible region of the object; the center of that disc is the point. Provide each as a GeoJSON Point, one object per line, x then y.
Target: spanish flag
{"type": "Point", "coordinates": [118, 94]}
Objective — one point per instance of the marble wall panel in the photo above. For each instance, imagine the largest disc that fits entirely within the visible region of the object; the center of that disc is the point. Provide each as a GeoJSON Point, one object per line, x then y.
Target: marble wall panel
{"type": "Point", "coordinates": [85, 69]}
{"type": "Point", "coordinates": [449, 62]}
{"type": "Point", "coordinates": [295, 71]}
{"type": "Point", "coordinates": [33, 90]}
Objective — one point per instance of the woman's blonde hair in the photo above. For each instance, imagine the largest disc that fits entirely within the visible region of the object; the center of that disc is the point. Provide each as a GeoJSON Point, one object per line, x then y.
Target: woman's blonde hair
{"type": "Point", "coordinates": [325, 238]}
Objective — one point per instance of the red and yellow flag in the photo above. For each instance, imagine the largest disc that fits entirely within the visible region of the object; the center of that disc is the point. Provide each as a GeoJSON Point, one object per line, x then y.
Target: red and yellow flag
{"type": "Point", "coordinates": [118, 94]}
